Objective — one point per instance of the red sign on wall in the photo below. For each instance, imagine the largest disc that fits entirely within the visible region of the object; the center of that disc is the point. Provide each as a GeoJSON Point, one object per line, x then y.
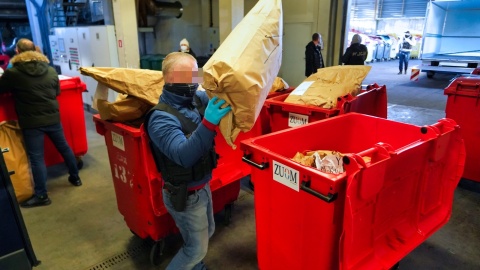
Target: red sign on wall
{"type": "Point", "coordinates": [120, 43]}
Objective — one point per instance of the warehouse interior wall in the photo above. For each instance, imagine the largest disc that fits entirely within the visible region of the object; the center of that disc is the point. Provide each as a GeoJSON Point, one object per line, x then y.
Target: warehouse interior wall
{"type": "Point", "coordinates": [301, 20]}
{"type": "Point", "coordinates": [199, 23]}
{"type": "Point", "coordinates": [196, 24]}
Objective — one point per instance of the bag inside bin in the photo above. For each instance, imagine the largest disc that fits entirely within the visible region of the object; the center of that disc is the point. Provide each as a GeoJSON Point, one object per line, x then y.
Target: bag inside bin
{"type": "Point", "coordinates": [322, 89]}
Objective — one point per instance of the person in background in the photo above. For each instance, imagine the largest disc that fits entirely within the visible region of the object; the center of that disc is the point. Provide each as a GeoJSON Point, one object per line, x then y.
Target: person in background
{"type": "Point", "coordinates": [357, 53]}
{"type": "Point", "coordinates": [35, 87]}
{"type": "Point", "coordinates": [181, 129]}
{"type": "Point", "coordinates": [185, 47]}
{"type": "Point", "coordinates": [313, 55]}
{"type": "Point", "coordinates": [406, 45]}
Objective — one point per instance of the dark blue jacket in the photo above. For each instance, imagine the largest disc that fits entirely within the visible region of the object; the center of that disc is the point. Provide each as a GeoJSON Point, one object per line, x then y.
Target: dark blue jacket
{"type": "Point", "coordinates": [313, 59]}
{"type": "Point", "coordinates": [165, 131]}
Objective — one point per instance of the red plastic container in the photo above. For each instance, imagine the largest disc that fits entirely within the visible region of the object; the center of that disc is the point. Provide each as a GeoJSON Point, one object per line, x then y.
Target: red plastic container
{"type": "Point", "coordinates": [262, 126]}
{"type": "Point", "coordinates": [284, 115]}
{"type": "Point", "coordinates": [463, 106]}
{"type": "Point", "coordinates": [370, 216]}
{"type": "Point", "coordinates": [71, 115]}
{"type": "Point", "coordinates": [138, 185]}
{"type": "Point", "coordinates": [4, 60]}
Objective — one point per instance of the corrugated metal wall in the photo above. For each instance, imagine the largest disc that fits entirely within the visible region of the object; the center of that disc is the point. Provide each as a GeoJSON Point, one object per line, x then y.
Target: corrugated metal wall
{"type": "Point", "coordinates": [388, 9]}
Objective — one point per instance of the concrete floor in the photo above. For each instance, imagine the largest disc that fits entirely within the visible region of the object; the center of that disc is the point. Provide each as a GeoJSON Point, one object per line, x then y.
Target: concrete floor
{"type": "Point", "coordinates": [82, 228]}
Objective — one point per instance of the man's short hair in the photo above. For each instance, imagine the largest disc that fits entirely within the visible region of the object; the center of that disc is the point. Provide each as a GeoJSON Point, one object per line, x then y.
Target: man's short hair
{"type": "Point", "coordinates": [315, 37]}
{"type": "Point", "coordinates": [172, 58]}
{"type": "Point", "coordinates": [25, 45]}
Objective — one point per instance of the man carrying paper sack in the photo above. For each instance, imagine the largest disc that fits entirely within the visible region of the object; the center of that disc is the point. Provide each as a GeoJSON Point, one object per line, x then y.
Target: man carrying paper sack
{"type": "Point", "coordinates": [181, 131]}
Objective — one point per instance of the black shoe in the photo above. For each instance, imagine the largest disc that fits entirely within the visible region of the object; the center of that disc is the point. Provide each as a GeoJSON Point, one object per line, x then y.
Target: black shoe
{"type": "Point", "coordinates": [75, 180]}
{"type": "Point", "coordinates": [399, 73]}
{"type": "Point", "coordinates": [36, 201]}
{"type": "Point", "coordinates": [405, 72]}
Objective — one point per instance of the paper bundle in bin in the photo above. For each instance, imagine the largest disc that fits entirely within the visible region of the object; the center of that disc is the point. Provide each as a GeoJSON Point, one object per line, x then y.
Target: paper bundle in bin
{"type": "Point", "coordinates": [323, 160]}
{"type": "Point", "coordinates": [139, 90]}
{"type": "Point", "coordinates": [322, 89]}
{"type": "Point", "coordinates": [244, 67]}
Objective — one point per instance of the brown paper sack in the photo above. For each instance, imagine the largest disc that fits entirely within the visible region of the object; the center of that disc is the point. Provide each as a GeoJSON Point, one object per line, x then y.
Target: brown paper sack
{"type": "Point", "coordinates": [126, 108]}
{"type": "Point", "coordinates": [16, 159]}
{"type": "Point", "coordinates": [324, 87]}
{"type": "Point", "coordinates": [244, 67]}
{"type": "Point", "coordinates": [143, 84]}
{"type": "Point", "coordinates": [278, 85]}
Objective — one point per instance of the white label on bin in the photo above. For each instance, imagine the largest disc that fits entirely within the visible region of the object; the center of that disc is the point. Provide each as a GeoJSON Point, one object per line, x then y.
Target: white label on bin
{"type": "Point", "coordinates": [118, 141]}
{"type": "Point", "coordinates": [295, 119]}
{"type": "Point", "coordinates": [286, 176]}
{"type": "Point", "coordinates": [300, 90]}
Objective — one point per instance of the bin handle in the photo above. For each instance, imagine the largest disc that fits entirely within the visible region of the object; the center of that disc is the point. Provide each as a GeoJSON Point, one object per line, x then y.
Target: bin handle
{"type": "Point", "coordinates": [305, 186]}
{"type": "Point", "coordinates": [262, 166]}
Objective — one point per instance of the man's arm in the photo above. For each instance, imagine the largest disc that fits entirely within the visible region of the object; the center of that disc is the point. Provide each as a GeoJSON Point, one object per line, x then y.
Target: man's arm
{"type": "Point", "coordinates": [166, 133]}
{"type": "Point", "coordinates": [347, 55]}
{"type": "Point", "coordinates": [309, 61]}
{"type": "Point", "coordinates": [57, 81]}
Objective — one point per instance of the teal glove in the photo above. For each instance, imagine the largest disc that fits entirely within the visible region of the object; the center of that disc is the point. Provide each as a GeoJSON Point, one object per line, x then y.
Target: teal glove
{"type": "Point", "coordinates": [214, 113]}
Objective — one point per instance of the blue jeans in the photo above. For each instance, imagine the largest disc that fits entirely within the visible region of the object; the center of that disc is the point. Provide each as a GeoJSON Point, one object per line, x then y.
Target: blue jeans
{"type": "Point", "coordinates": [404, 57]}
{"type": "Point", "coordinates": [196, 225]}
{"type": "Point", "coordinates": [34, 144]}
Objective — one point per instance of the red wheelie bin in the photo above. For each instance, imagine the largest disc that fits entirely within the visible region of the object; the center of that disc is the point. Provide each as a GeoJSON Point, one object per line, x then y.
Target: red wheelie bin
{"type": "Point", "coordinates": [396, 191]}
{"type": "Point", "coordinates": [262, 126]}
{"type": "Point", "coordinates": [463, 106]}
{"type": "Point", "coordinates": [72, 118]}
{"type": "Point", "coordinates": [283, 115]}
{"type": "Point", "coordinates": [138, 185]}
{"type": "Point", "coordinates": [372, 101]}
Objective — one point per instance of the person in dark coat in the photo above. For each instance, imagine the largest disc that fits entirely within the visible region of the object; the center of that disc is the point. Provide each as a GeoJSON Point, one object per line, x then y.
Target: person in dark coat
{"type": "Point", "coordinates": [181, 129]}
{"type": "Point", "coordinates": [35, 86]}
{"type": "Point", "coordinates": [357, 53]}
{"type": "Point", "coordinates": [313, 55]}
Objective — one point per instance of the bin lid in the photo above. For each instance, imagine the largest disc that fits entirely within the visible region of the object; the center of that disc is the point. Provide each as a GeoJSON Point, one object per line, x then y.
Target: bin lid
{"type": "Point", "coordinates": [465, 85]}
{"type": "Point", "coordinates": [386, 215]}
{"type": "Point", "coordinates": [72, 83]}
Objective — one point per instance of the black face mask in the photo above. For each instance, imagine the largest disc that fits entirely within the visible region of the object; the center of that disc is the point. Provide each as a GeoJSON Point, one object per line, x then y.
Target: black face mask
{"type": "Point", "coordinates": [182, 89]}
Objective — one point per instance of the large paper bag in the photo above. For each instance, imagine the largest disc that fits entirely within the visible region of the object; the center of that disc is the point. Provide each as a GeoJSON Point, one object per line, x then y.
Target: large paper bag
{"type": "Point", "coordinates": [143, 84]}
{"type": "Point", "coordinates": [125, 109]}
{"type": "Point", "coordinates": [244, 67]}
{"type": "Point", "coordinates": [324, 87]}
{"type": "Point", "coordinates": [16, 159]}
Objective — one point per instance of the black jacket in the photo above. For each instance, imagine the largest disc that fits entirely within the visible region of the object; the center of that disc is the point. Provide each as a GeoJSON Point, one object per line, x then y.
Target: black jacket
{"type": "Point", "coordinates": [356, 54]}
{"type": "Point", "coordinates": [35, 87]}
{"type": "Point", "coordinates": [313, 59]}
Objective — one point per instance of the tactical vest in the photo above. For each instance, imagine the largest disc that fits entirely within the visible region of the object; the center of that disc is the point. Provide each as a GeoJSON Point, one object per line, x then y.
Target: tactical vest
{"type": "Point", "coordinates": [406, 45]}
{"type": "Point", "coordinates": [171, 171]}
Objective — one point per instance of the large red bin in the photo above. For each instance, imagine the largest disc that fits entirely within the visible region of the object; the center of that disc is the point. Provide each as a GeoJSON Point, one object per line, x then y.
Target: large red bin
{"type": "Point", "coordinates": [372, 101]}
{"type": "Point", "coordinates": [138, 185]}
{"type": "Point", "coordinates": [368, 217]}
{"type": "Point", "coordinates": [262, 126]}
{"type": "Point", "coordinates": [463, 106]}
{"type": "Point", "coordinates": [71, 115]}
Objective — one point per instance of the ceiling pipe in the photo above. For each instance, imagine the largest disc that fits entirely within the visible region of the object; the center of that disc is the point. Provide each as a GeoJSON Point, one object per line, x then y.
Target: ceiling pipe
{"type": "Point", "coordinates": [157, 9]}
{"type": "Point", "coordinates": [166, 9]}
{"type": "Point", "coordinates": [13, 14]}
{"type": "Point", "coordinates": [13, 5]}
